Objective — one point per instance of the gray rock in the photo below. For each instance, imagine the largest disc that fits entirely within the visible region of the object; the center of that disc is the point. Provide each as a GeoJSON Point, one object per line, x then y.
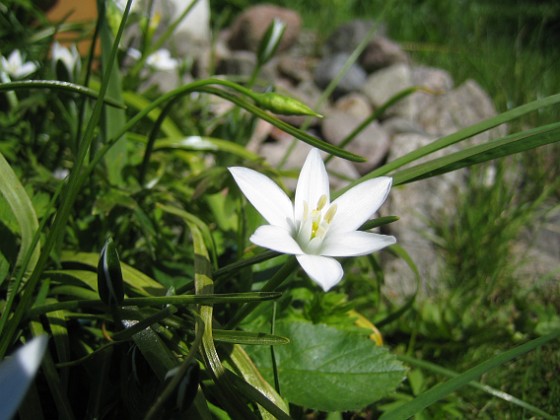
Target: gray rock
{"type": "Point", "coordinates": [382, 52]}
{"type": "Point", "coordinates": [296, 69]}
{"type": "Point", "coordinates": [420, 203]}
{"type": "Point", "coordinates": [329, 67]}
{"type": "Point", "coordinates": [249, 27]}
{"type": "Point", "coordinates": [416, 205]}
{"type": "Point", "coordinates": [372, 143]}
{"type": "Point", "coordinates": [461, 107]}
{"type": "Point", "coordinates": [355, 104]}
{"type": "Point", "coordinates": [437, 81]}
{"type": "Point", "coordinates": [348, 36]}
{"type": "Point", "coordinates": [384, 84]}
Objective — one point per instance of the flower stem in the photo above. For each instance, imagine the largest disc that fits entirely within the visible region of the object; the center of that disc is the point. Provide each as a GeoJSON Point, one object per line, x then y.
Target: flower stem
{"type": "Point", "coordinates": [275, 281]}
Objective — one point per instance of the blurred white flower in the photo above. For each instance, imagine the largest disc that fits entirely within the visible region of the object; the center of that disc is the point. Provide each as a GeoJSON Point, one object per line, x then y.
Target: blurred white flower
{"type": "Point", "coordinates": [314, 229]}
{"type": "Point", "coordinates": [121, 4]}
{"type": "Point", "coordinates": [161, 60]}
{"type": "Point", "coordinates": [15, 67]}
{"type": "Point", "coordinates": [70, 57]}
{"type": "Point", "coordinates": [17, 373]}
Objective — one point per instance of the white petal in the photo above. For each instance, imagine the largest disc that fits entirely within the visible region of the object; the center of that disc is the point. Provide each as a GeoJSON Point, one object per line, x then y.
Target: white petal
{"type": "Point", "coordinates": [313, 182]}
{"type": "Point", "coordinates": [275, 238]}
{"type": "Point", "coordinates": [351, 244]}
{"type": "Point", "coordinates": [359, 203]}
{"type": "Point", "coordinates": [267, 197]}
{"type": "Point", "coordinates": [17, 373]}
{"type": "Point", "coordinates": [324, 271]}
{"type": "Point", "coordinates": [26, 69]}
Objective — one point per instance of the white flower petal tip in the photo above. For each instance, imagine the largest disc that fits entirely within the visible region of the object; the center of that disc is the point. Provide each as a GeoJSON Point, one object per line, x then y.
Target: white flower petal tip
{"type": "Point", "coordinates": [313, 228]}
{"type": "Point", "coordinates": [17, 373]}
{"type": "Point", "coordinates": [326, 272]}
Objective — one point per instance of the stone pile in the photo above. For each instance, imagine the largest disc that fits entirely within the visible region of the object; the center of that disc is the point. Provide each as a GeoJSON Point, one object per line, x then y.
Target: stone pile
{"type": "Point", "coordinates": [381, 71]}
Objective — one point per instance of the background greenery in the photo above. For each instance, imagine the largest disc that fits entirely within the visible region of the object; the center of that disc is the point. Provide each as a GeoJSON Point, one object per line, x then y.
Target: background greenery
{"type": "Point", "coordinates": [485, 307]}
{"type": "Point", "coordinates": [512, 48]}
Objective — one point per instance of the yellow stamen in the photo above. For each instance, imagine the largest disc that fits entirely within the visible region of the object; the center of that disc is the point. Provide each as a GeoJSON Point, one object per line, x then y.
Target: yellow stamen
{"type": "Point", "coordinates": [330, 213]}
{"type": "Point", "coordinates": [322, 201]}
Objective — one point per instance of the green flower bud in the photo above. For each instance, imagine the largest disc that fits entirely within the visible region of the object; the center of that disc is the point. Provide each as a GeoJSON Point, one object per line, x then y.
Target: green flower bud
{"type": "Point", "coordinates": [270, 41]}
{"type": "Point", "coordinates": [282, 104]}
{"type": "Point", "coordinates": [109, 275]}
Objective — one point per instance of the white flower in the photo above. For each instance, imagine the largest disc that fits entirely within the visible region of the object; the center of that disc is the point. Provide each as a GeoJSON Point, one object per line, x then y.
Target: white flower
{"type": "Point", "coordinates": [161, 60]}
{"type": "Point", "coordinates": [15, 67]}
{"type": "Point", "coordinates": [68, 56]}
{"type": "Point", "coordinates": [17, 373]}
{"type": "Point", "coordinates": [314, 229]}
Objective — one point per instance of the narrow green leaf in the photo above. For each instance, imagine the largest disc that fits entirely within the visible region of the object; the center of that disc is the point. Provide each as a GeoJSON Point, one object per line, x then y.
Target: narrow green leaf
{"type": "Point", "coordinates": [205, 285]}
{"type": "Point", "coordinates": [207, 144]}
{"type": "Point", "coordinates": [458, 136]}
{"type": "Point", "coordinates": [248, 337]}
{"type": "Point", "coordinates": [272, 403]}
{"type": "Point", "coordinates": [23, 211]}
{"type": "Point", "coordinates": [51, 375]}
{"type": "Point", "coordinates": [138, 282]}
{"type": "Point", "coordinates": [59, 331]}
{"type": "Point", "coordinates": [442, 390]}
{"type": "Point", "coordinates": [93, 301]}
{"type": "Point", "coordinates": [299, 134]}
{"type": "Point", "coordinates": [144, 323]}
{"type": "Point", "coordinates": [114, 119]}
{"type": "Point", "coordinates": [485, 388]}
{"type": "Point", "coordinates": [494, 149]}
{"type": "Point", "coordinates": [10, 320]}
{"type": "Point", "coordinates": [77, 277]}
{"type": "Point", "coordinates": [57, 85]}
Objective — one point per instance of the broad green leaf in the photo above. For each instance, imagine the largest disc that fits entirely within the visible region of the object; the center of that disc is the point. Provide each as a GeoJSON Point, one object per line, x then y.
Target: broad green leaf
{"type": "Point", "coordinates": [22, 210]}
{"type": "Point", "coordinates": [328, 369]}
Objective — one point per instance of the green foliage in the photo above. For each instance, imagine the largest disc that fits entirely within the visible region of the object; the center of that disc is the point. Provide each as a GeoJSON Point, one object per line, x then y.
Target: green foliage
{"type": "Point", "coordinates": [328, 369]}
{"type": "Point", "coordinates": [180, 316]}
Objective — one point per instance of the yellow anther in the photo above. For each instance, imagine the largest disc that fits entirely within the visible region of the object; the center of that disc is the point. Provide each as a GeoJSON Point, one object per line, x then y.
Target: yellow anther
{"type": "Point", "coordinates": [329, 215]}
{"type": "Point", "coordinates": [322, 201]}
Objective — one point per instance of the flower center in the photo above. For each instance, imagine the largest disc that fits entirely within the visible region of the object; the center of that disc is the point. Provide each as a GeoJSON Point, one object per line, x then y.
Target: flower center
{"type": "Point", "coordinates": [315, 224]}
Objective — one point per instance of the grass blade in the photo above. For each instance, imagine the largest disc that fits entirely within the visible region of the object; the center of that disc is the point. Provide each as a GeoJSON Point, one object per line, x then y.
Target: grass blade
{"type": "Point", "coordinates": [495, 149]}
{"type": "Point", "coordinates": [442, 390]}
{"type": "Point", "coordinates": [488, 389]}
